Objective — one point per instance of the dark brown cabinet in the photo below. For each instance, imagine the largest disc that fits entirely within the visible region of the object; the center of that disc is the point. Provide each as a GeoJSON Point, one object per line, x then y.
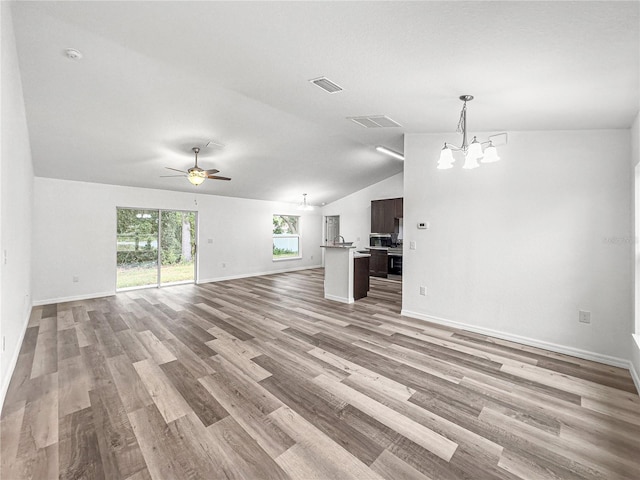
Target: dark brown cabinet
{"type": "Point", "coordinates": [385, 215]}
{"type": "Point", "coordinates": [378, 265]}
{"type": "Point", "coordinates": [377, 216]}
{"type": "Point", "coordinates": [360, 277]}
{"type": "Point", "coordinates": [398, 204]}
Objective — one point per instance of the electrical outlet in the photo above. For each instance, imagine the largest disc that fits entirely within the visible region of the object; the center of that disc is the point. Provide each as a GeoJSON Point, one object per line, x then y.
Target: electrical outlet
{"type": "Point", "coordinates": [210, 240]}
{"type": "Point", "coordinates": [584, 317]}
{"type": "Point", "coordinates": [224, 265]}
{"type": "Point", "coordinates": [311, 257]}
{"type": "Point", "coordinates": [423, 290]}
{"type": "Point", "coordinates": [76, 279]}
{"type": "Point", "coordinates": [412, 245]}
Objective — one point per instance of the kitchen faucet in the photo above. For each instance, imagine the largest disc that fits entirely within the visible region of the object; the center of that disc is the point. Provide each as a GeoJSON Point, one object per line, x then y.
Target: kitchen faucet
{"type": "Point", "coordinates": [339, 236]}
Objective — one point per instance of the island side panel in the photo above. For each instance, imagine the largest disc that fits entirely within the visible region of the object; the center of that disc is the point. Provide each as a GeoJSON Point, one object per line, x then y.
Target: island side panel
{"type": "Point", "coordinates": [338, 274]}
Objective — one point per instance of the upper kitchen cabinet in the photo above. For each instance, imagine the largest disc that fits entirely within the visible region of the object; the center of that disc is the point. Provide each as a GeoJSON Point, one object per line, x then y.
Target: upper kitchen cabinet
{"type": "Point", "coordinates": [385, 215]}
{"type": "Point", "coordinates": [398, 204]}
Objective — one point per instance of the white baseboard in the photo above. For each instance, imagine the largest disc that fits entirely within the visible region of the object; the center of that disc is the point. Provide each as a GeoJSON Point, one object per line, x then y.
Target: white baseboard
{"type": "Point", "coordinates": [88, 296]}
{"type": "Point", "coordinates": [14, 360]}
{"type": "Point", "coordinates": [257, 274]}
{"type": "Point", "coordinates": [338, 299]}
{"type": "Point", "coordinates": [532, 342]}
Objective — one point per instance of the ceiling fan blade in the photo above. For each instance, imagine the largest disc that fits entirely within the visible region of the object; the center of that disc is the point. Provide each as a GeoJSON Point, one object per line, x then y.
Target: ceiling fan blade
{"type": "Point", "coordinates": [212, 171]}
{"type": "Point", "coordinates": [166, 176]}
{"type": "Point", "coordinates": [175, 169]}
{"type": "Point", "coordinates": [215, 177]}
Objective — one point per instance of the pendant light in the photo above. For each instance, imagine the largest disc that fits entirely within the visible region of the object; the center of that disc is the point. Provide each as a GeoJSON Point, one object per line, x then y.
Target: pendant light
{"type": "Point", "coordinates": [303, 204]}
{"type": "Point", "coordinates": [472, 151]}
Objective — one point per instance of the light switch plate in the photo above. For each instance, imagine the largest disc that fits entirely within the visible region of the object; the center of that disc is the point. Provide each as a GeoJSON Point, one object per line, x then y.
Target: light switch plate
{"type": "Point", "coordinates": [412, 245]}
{"type": "Point", "coordinates": [584, 317]}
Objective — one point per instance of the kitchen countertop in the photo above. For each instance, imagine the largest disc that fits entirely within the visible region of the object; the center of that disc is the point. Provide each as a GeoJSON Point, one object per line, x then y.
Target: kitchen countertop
{"type": "Point", "coordinates": [395, 251]}
{"type": "Point", "coordinates": [347, 247]}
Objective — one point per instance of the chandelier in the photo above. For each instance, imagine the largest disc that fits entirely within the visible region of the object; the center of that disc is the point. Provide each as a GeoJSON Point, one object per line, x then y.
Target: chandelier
{"type": "Point", "coordinates": [303, 204]}
{"type": "Point", "coordinates": [472, 151]}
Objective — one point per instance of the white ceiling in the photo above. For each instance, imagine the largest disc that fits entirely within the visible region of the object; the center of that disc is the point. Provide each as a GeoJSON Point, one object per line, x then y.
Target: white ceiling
{"type": "Point", "coordinates": [157, 78]}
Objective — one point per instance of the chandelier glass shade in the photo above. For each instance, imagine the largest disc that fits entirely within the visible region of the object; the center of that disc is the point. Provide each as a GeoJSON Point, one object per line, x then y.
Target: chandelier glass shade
{"type": "Point", "coordinates": [490, 154]}
{"type": "Point", "coordinates": [473, 152]}
{"type": "Point", "coordinates": [446, 158]}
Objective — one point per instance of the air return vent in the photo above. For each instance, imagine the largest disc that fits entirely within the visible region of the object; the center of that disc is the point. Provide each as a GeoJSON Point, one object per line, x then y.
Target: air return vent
{"type": "Point", "coordinates": [326, 84]}
{"type": "Point", "coordinates": [374, 121]}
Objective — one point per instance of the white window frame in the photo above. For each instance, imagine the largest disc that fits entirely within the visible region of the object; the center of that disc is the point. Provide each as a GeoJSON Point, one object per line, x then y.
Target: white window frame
{"type": "Point", "coordinates": [287, 235]}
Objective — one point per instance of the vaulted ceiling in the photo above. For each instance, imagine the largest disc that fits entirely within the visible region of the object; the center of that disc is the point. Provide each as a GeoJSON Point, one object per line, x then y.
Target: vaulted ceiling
{"type": "Point", "coordinates": [157, 78]}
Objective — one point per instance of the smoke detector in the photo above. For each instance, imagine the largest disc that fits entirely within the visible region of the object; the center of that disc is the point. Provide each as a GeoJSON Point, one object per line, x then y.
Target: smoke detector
{"type": "Point", "coordinates": [73, 54]}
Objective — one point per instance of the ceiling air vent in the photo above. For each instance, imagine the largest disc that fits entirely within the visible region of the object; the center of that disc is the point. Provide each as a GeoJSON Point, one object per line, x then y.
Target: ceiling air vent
{"type": "Point", "coordinates": [326, 84]}
{"type": "Point", "coordinates": [374, 121]}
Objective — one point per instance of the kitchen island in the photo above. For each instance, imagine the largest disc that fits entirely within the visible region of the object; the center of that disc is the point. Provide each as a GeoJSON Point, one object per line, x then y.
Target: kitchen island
{"type": "Point", "coordinates": [340, 281]}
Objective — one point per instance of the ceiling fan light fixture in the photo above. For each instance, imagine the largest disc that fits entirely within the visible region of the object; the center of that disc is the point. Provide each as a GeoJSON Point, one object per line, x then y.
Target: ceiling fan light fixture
{"type": "Point", "coordinates": [196, 177]}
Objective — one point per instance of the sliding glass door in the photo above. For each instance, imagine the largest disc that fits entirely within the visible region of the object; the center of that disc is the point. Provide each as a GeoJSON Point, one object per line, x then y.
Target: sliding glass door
{"type": "Point", "coordinates": [155, 247]}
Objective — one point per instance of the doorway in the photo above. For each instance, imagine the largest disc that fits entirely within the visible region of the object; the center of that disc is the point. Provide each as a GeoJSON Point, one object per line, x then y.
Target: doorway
{"type": "Point", "coordinates": [155, 248]}
{"type": "Point", "coordinates": [331, 228]}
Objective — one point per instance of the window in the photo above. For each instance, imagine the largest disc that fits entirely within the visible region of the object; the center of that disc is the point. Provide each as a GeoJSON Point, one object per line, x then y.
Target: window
{"type": "Point", "coordinates": [286, 237]}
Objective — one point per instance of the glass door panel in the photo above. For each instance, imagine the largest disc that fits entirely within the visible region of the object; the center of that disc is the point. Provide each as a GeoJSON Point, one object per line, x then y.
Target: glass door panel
{"type": "Point", "coordinates": [177, 247]}
{"type": "Point", "coordinates": [137, 248]}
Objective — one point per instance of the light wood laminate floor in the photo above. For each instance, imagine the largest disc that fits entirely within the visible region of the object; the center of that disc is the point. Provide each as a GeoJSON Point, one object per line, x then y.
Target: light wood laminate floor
{"type": "Point", "coordinates": [261, 378]}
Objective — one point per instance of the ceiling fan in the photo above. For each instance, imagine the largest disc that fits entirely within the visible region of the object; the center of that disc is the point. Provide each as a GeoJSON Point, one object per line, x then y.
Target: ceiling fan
{"type": "Point", "coordinates": [195, 174]}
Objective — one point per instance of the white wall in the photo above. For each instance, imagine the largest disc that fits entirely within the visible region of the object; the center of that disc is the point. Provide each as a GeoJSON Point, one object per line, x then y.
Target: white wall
{"type": "Point", "coordinates": [635, 174]}
{"type": "Point", "coordinates": [355, 209]}
{"type": "Point", "coordinates": [74, 227]}
{"type": "Point", "coordinates": [16, 177]}
{"type": "Point", "coordinates": [516, 248]}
